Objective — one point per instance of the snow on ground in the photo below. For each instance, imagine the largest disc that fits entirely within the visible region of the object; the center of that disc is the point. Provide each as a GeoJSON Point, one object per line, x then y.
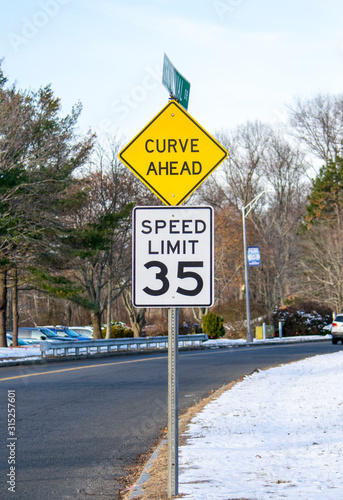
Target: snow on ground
{"type": "Point", "coordinates": [19, 353]}
{"type": "Point", "coordinates": [276, 434]}
{"type": "Point", "coordinates": [229, 343]}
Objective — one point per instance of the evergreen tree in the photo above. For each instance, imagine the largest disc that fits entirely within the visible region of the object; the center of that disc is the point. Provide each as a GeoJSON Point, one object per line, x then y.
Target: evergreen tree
{"type": "Point", "coordinates": [322, 238]}
{"type": "Point", "coordinates": [326, 197]}
{"type": "Point", "coordinates": [39, 151]}
{"type": "Point", "coordinates": [213, 325]}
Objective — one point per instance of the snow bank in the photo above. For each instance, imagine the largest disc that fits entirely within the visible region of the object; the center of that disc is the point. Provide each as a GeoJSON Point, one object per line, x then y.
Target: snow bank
{"type": "Point", "coordinates": [19, 353]}
{"type": "Point", "coordinates": [277, 434]}
{"type": "Point", "coordinates": [237, 342]}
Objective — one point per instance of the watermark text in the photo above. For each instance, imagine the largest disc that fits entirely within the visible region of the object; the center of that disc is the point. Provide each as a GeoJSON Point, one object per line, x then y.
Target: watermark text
{"type": "Point", "coordinates": [31, 26]}
{"type": "Point", "coordinates": [11, 440]}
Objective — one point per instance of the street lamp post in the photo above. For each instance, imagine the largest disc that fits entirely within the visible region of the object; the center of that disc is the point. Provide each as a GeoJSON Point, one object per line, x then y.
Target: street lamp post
{"type": "Point", "coordinates": [249, 206]}
{"type": "Point", "coordinates": [247, 298]}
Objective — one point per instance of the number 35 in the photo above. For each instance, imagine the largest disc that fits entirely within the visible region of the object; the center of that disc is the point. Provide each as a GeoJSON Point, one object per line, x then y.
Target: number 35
{"type": "Point", "coordinates": [181, 273]}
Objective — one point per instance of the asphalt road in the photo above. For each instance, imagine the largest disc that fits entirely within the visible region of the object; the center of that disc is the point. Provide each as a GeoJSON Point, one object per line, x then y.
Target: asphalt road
{"type": "Point", "coordinates": [78, 424]}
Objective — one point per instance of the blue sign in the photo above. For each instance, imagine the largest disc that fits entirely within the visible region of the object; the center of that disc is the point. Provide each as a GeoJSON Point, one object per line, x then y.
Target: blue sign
{"type": "Point", "coordinates": [254, 256]}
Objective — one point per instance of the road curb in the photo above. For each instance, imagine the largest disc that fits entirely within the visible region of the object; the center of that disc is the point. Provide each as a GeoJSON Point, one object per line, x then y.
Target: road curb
{"type": "Point", "coordinates": [138, 488]}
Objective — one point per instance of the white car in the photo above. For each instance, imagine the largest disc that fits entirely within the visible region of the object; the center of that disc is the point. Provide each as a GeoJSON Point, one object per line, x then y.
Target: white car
{"type": "Point", "coordinates": [86, 331]}
{"type": "Point", "coordinates": [337, 329]}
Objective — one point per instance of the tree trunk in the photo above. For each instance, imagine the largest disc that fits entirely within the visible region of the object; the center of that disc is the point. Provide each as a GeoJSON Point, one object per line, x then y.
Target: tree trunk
{"type": "Point", "coordinates": [137, 316]}
{"type": "Point", "coordinates": [199, 312]}
{"type": "Point", "coordinates": [96, 323]}
{"type": "Point", "coordinates": [135, 328]}
{"type": "Point", "coordinates": [3, 306]}
{"type": "Point", "coordinates": [109, 310]}
{"type": "Point", "coordinates": [69, 314]}
{"type": "Point", "coordinates": [15, 314]}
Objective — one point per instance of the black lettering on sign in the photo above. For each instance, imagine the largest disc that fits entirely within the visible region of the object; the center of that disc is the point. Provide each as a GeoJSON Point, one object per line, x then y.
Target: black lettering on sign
{"type": "Point", "coordinates": [168, 247]}
{"type": "Point", "coordinates": [196, 167]}
{"type": "Point", "coordinates": [185, 168]}
{"type": "Point", "coordinates": [181, 273]}
{"type": "Point", "coordinates": [185, 226]}
{"type": "Point", "coordinates": [146, 146]}
{"type": "Point", "coordinates": [160, 224]}
{"type": "Point", "coordinates": [183, 146]}
{"type": "Point", "coordinates": [151, 168]}
{"type": "Point", "coordinates": [175, 226]}
{"type": "Point", "coordinates": [194, 145]}
{"type": "Point", "coordinates": [200, 226]}
{"type": "Point", "coordinates": [146, 226]}
{"type": "Point", "coordinates": [161, 276]}
{"type": "Point", "coordinates": [172, 145]}
{"type": "Point", "coordinates": [150, 250]}
{"type": "Point", "coordinates": [174, 168]}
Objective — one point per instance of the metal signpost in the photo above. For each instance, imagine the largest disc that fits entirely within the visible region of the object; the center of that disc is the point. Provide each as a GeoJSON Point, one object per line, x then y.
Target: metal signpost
{"type": "Point", "coordinates": [173, 246]}
{"type": "Point", "coordinates": [173, 402]}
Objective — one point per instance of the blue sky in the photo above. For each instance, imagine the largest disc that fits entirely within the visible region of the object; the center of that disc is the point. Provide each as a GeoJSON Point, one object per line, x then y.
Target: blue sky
{"type": "Point", "coordinates": [245, 59]}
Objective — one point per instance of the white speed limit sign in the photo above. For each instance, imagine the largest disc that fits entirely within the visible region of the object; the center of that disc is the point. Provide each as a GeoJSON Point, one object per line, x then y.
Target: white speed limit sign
{"type": "Point", "coordinates": [172, 256]}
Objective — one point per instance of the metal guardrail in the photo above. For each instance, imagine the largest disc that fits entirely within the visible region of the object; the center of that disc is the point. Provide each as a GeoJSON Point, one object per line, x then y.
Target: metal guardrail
{"type": "Point", "coordinates": [112, 345]}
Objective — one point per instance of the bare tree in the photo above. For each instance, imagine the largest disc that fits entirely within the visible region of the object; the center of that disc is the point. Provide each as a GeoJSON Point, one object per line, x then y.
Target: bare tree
{"type": "Point", "coordinates": [318, 124]}
{"type": "Point", "coordinates": [285, 173]}
{"type": "Point", "coordinates": [199, 312]}
{"type": "Point", "coordinates": [259, 159]}
{"type": "Point", "coordinates": [242, 172]}
{"type": "Point", "coordinates": [321, 265]}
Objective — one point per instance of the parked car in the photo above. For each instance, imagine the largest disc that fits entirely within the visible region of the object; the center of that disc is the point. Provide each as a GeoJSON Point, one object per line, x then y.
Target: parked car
{"type": "Point", "coordinates": [64, 332]}
{"type": "Point", "coordinates": [20, 341]}
{"type": "Point", "coordinates": [35, 334]}
{"type": "Point", "coordinates": [337, 329]}
{"type": "Point", "coordinates": [86, 331]}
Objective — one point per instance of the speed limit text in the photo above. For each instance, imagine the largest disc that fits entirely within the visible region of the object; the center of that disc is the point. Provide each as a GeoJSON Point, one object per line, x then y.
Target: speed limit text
{"type": "Point", "coordinates": [184, 226]}
{"type": "Point", "coordinates": [171, 227]}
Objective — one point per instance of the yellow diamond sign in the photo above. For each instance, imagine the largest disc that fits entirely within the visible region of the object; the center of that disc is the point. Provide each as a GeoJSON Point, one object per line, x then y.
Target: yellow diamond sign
{"type": "Point", "coordinates": [173, 154]}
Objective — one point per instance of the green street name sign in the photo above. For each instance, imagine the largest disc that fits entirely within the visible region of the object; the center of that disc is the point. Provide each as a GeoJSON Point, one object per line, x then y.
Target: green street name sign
{"type": "Point", "coordinates": [175, 83]}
